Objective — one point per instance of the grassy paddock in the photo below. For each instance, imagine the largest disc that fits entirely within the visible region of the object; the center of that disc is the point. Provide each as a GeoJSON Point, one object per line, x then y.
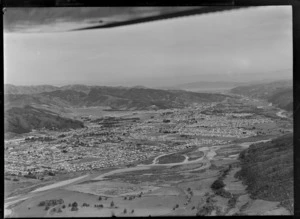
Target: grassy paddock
{"type": "Point", "coordinates": [172, 158]}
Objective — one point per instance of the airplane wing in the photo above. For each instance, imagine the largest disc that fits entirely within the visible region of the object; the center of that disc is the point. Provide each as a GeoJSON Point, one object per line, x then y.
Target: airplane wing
{"type": "Point", "coordinates": [155, 14]}
{"type": "Point", "coordinates": [62, 19]}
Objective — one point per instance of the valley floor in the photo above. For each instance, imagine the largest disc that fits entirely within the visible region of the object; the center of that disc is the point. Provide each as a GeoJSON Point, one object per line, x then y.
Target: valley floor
{"type": "Point", "coordinates": [163, 163]}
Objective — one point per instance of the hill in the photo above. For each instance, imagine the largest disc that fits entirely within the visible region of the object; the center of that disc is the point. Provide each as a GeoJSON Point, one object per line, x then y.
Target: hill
{"type": "Point", "coordinates": [12, 89]}
{"type": "Point", "coordinates": [23, 120]}
{"type": "Point", "coordinates": [283, 99]}
{"type": "Point", "coordinates": [206, 86]}
{"type": "Point", "coordinates": [35, 89]}
{"type": "Point", "coordinates": [119, 98]}
{"type": "Point", "coordinates": [28, 108]}
{"type": "Point", "coordinates": [279, 93]}
{"type": "Point", "coordinates": [267, 169]}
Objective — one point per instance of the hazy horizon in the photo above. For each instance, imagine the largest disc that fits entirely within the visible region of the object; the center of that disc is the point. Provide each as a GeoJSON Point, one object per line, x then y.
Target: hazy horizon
{"type": "Point", "coordinates": [245, 45]}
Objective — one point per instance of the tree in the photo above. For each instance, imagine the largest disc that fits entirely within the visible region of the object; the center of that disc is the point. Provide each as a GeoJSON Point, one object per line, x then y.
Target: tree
{"type": "Point", "coordinates": [74, 204]}
{"type": "Point", "coordinates": [63, 206]}
{"type": "Point", "coordinates": [51, 174]}
{"type": "Point", "coordinates": [125, 211]}
{"type": "Point", "coordinates": [218, 184]}
{"type": "Point", "coordinates": [74, 208]}
{"type": "Point", "coordinates": [59, 210]}
{"type": "Point", "coordinates": [100, 198]}
{"type": "Point", "coordinates": [132, 211]}
{"type": "Point", "coordinates": [112, 204]}
{"type": "Point", "coordinates": [42, 203]}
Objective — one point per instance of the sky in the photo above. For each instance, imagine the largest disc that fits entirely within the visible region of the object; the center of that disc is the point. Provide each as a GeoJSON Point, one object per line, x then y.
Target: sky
{"type": "Point", "coordinates": [250, 44]}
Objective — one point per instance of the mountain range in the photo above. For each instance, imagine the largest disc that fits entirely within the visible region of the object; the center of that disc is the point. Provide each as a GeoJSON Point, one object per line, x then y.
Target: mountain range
{"type": "Point", "coordinates": [279, 93]}
{"type": "Point", "coordinates": [23, 120]}
{"type": "Point", "coordinates": [32, 107]}
{"type": "Point", "coordinates": [119, 98]}
{"type": "Point", "coordinates": [209, 86]}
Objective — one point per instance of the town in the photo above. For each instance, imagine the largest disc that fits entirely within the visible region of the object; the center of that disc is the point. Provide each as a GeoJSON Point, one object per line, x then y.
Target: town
{"type": "Point", "coordinates": [118, 141]}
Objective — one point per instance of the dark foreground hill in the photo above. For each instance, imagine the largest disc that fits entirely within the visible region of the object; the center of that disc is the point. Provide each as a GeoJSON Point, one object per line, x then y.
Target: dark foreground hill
{"type": "Point", "coordinates": [267, 169]}
{"type": "Point", "coordinates": [118, 98]}
{"type": "Point", "coordinates": [279, 93]}
{"type": "Point", "coordinates": [23, 120]}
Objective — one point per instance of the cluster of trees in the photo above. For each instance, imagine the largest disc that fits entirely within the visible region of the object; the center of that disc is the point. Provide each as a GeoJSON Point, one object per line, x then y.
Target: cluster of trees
{"type": "Point", "coordinates": [52, 202]}
{"type": "Point", "coordinates": [125, 211]}
{"type": "Point", "coordinates": [54, 210]}
{"type": "Point", "coordinates": [218, 185]}
{"type": "Point", "coordinates": [62, 136]}
{"type": "Point", "coordinates": [46, 138]}
{"type": "Point", "coordinates": [85, 205]}
{"type": "Point", "coordinates": [165, 131]}
{"type": "Point", "coordinates": [232, 201]}
{"type": "Point", "coordinates": [260, 133]}
{"type": "Point", "coordinates": [207, 208]}
{"type": "Point", "coordinates": [98, 206]}
{"type": "Point", "coordinates": [49, 203]}
{"type": "Point", "coordinates": [13, 179]}
{"type": "Point", "coordinates": [190, 191]}
{"type": "Point", "coordinates": [74, 206]}
{"type": "Point", "coordinates": [176, 206]}
{"type": "Point", "coordinates": [132, 197]}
